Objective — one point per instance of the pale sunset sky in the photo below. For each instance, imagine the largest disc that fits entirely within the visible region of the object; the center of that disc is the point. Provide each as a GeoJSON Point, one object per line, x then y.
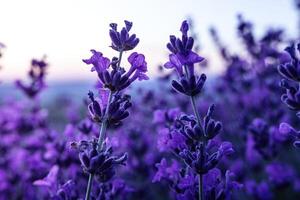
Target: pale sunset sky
{"type": "Point", "coordinates": [65, 30]}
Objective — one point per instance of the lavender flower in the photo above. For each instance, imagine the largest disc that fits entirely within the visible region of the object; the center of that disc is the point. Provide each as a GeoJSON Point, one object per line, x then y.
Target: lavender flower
{"type": "Point", "coordinates": [117, 79]}
{"type": "Point", "coordinates": [122, 41]}
{"type": "Point", "coordinates": [116, 112]}
{"type": "Point", "coordinates": [198, 152]}
{"type": "Point", "coordinates": [36, 75]}
{"type": "Point", "coordinates": [112, 109]}
{"type": "Point", "coordinates": [288, 130]}
{"type": "Point", "coordinates": [182, 58]}
{"type": "Point", "coordinates": [101, 163]}
{"type": "Point", "coordinates": [290, 71]}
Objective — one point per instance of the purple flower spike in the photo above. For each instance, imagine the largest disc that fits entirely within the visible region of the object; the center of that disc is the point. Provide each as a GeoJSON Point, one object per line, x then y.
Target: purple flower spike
{"type": "Point", "coordinates": [182, 58]}
{"type": "Point", "coordinates": [122, 41]}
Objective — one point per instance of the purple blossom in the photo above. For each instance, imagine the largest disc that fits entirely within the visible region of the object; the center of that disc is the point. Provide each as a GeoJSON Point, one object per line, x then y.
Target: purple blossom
{"type": "Point", "coordinates": [99, 62]}
{"type": "Point", "coordinates": [99, 163]}
{"type": "Point", "coordinates": [122, 41]}
{"type": "Point", "coordinates": [138, 67]}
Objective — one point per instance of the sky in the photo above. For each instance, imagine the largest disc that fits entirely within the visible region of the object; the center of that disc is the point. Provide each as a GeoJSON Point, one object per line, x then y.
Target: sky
{"type": "Point", "coordinates": [65, 30]}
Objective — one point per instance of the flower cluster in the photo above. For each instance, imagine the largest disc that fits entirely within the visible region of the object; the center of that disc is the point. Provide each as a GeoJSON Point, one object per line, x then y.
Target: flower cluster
{"type": "Point", "coordinates": [118, 79]}
{"type": "Point", "coordinates": [116, 112]}
{"type": "Point", "coordinates": [36, 75]}
{"type": "Point", "coordinates": [182, 58]}
{"type": "Point", "coordinates": [198, 155]}
{"type": "Point", "coordinates": [290, 70]}
{"type": "Point", "coordinates": [99, 163]}
{"type": "Point", "coordinates": [122, 41]}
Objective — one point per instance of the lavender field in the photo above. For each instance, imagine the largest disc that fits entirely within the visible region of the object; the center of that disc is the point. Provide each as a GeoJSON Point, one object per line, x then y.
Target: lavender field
{"type": "Point", "coordinates": [184, 133]}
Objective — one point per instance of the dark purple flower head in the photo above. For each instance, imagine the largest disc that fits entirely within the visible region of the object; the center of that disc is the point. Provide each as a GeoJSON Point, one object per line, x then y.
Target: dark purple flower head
{"type": "Point", "coordinates": [36, 75]}
{"type": "Point", "coordinates": [39, 63]}
{"type": "Point", "coordinates": [181, 52]}
{"type": "Point", "coordinates": [184, 45]}
{"type": "Point", "coordinates": [191, 130]}
{"type": "Point", "coordinates": [291, 70]}
{"type": "Point", "coordinates": [292, 96]}
{"type": "Point", "coordinates": [100, 163]}
{"type": "Point", "coordinates": [190, 86]}
{"type": "Point", "coordinates": [201, 161]}
{"type": "Point", "coordinates": [117, 110]}
{"type": "Point", "coordinates": [96, 109]}
{"type": "Point", "coordinates": [287, 130]}
{"type": "Point", "coordinates": [114, 77]}
{"type": "Point", "coordinates": [30, 91]}
{"type": "Point", "coordinates": [122, 41]}
{"type": "Point", "coordinates": [182, 58]}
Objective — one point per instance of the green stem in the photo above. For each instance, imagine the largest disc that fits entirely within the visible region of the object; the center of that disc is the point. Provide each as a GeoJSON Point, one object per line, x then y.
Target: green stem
{"type": "Point", "coordinates": [120, 58]}
{"type": "Point", "coordinates": [102, 135]}
{"type": "Point", "coordinates": [196, 113]}
{"type": "Point", "coordinates": [100, 144]}
{"type": "Point", "coordinates": [104, 123]}
{"type": "Point", "coordinates": [89, 187]}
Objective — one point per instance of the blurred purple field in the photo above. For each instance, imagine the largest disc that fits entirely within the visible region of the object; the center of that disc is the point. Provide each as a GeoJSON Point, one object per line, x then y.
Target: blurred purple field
{"type": "Point", "coordinates": [184, 134]}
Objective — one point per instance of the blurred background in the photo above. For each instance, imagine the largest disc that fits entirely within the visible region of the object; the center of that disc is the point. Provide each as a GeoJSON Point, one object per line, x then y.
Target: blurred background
{"type": "Point", "coordinates": [65, 30]}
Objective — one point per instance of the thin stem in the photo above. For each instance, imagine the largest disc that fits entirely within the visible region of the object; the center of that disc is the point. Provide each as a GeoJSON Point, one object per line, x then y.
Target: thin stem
{"type": "Point", "coordinates": [104, 123]}
{"type": "Point", "coordinates": [120, 58]}
{"type": "Point", "coordinates": [193, 101]}
{"type": "Point", "coordinates": [196, 113]}
{"type": "Point", "coordinates": [89, 187]}
{"type": "Point", "coordinates": [201, 194]}
{"type": "Point", "coordinates": [102, 135]}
